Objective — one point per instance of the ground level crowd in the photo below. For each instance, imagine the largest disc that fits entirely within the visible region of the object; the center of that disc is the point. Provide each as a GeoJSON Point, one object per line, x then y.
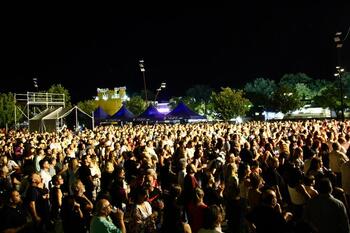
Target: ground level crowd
{"type": "Point", "coordinates": [252, 177]}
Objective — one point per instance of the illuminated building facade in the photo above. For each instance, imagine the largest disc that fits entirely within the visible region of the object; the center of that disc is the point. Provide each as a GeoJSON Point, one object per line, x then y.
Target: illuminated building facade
{"type": "Point", "coordinates": [111, 100]}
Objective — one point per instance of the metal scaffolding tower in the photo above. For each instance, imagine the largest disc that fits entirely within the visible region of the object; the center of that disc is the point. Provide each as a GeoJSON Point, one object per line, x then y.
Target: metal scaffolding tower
{"type": "Point", "coordinates": [33, 103]}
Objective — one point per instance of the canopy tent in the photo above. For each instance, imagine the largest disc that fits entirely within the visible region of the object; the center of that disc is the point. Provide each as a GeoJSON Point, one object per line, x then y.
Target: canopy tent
{"type": "Point", "coordinates": [183, 112]}
{"type": "Point", "coordinates": [150, 114]}
{"type": "Point", "coordinates": [74, 118]}
{"type": "Point", "coordinates": [36, 123]}
{"type": "Point", "coordinates": [100, 115]}
{"type": "Point", "coordinates": [57, 118]}
{"type": "Point", "coordinates": [123, 114]}
{"type": "Point", "coordinates": [50, 121]}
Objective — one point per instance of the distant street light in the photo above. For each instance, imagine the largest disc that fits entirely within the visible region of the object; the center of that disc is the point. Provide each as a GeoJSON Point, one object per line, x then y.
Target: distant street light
{"type": "Point", "coordinates": [142, 68]}
{"type": "Point", "coordinates": [337, 39]}
{"type": "Point", "coordinates": [35, 83]}
{"type": "Point", "coordinates": [288, 94]}
{"type": "Point", "coordinates": [339, 73]}
{"type": "Point", "coordinates": [162, 86]}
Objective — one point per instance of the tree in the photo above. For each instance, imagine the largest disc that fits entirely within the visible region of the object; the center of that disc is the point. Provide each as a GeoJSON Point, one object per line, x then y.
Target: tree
{"type": "Point", "coordinates": [318, 85]}
{"type": "Point", "coordinates": [189, 101]}
{"type": "Point", "coordinates": [136, 105]}
{"type": "Point", "coordinates": [7, 108]}
{"type": "Point", "coordinates": [229, 103]}
{"type": "Point", "coordinates": [150, 95]}
{"type": "Point", "coordinates": [329, 98]}
{"type": "Point", "coordinates": [290, 80]}
{"type": "Point", "coordinates": [192, 104]}
{"type": "Point", "coordinates": [305, 86]}
{"type": "Point", "coordinates": [286, 99]}
{"type": "Point", "coordinates": [346, 85]}
{"type": "Point", "coordinates": [88, 106]}
{"type": "Point", "coordinates": [200, 97]}
{"type": "Point", "coordinates": [200, 92]}
{"type": "Point", "coordinates": [330, 95]}
{"type": "Point", "coordinates": [59, 89]}
{"type": "Point", "coordinates": [304, 92]}
{"type": "Point", "coordinates": [259, 92]}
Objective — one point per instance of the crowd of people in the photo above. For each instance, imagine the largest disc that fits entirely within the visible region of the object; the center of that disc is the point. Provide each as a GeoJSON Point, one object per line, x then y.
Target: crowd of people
{"type": "Point", "coordinates": [283, 176]}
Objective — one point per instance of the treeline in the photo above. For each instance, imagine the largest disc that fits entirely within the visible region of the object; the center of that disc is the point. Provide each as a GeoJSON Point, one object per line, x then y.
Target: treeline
{"type": "Point", "coordinates": [291, 93]}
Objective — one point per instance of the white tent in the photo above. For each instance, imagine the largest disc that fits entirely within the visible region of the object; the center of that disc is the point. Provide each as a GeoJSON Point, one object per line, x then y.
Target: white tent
{"type": "Point", "coordinates": [55, 119]}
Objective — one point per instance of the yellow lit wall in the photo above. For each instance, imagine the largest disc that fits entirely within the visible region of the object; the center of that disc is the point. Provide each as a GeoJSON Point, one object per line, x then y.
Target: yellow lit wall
{"type": "Point", "coordinates": [111, 100]}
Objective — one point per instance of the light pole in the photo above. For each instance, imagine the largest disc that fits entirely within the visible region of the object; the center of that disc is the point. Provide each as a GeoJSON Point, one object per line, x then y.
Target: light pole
{"type": "Point", "coordinates": [339, 44]}
{"type": "Point", "coordinates": [339, 73]}
{"type": "Point", "coordinates": [142, 68]}
{"type": "Point", "coordinates": [162, 86]}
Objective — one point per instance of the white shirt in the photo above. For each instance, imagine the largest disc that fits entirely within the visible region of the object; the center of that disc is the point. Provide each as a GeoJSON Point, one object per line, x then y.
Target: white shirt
{"type": "Point", "coordinates": [56, 146]}
{"type": "Point", "coordinates": [12, 165]}
{"type": "Point", "coordinates": [45, 175]}
{"type": "Point", "coordinates": [190, 152]}
{"type": "Point", "coordinates": [145, 212]}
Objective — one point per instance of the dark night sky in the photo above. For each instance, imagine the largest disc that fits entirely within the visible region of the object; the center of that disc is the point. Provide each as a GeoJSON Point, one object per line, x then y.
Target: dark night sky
{"type": "Point", "coordinates": [222, 46]}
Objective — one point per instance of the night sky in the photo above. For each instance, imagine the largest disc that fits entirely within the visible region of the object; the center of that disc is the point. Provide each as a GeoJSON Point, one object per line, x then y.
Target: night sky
{"type": "Point", "coordinates": [218, 46]}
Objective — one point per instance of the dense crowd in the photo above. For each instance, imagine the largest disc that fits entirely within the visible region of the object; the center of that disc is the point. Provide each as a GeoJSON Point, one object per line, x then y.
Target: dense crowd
{"type": "Point", "coordinates": [251, 177]}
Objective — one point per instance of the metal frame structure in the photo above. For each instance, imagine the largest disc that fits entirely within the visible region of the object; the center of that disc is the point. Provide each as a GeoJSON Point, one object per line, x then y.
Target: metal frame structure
{"type": "Point", "coordinates": [33, 103]}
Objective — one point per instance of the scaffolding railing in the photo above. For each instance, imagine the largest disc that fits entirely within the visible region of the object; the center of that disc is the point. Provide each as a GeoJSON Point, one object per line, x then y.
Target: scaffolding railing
{"type": "Point", "coordinates": [41, 98]}
{"type": "Point", "coordinates": [32, 103]}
